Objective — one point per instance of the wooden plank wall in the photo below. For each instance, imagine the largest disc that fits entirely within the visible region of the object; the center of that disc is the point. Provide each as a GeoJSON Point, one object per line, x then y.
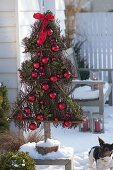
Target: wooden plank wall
{"type": "Point", "coordinates": [8, 59]}
{"type": "Point", "coordinates": [15, 20]}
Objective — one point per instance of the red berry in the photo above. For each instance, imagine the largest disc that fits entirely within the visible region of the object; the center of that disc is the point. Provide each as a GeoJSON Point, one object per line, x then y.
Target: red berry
{"type": "Point", "coordinates": [39, 54]}
{"type": "Point", "coordinates": [55, 48]}
{"type": "Point", "coordinates": [61, 106]}
{"type": "Point", "coordinates": [52, 95]}
{"type": "Point", "coordinates": [45, 60]}
{"type": "Point", "coordinates": [31, 98]}
{"type": "Point", "coordinates": [67, 124]}
{"type": "Point", "coordinates": [34, 74]}
{"type": "Point", "coordinates": [67, 75]}
{"type": "Point", "coordinates": [19, 117]}
{"type": "Point", "coordinates": [40, 117]}
{"type": "Point", "coordinates": [45, 87]}
{"type": "Point", "coordinates": [27, 110]}
{"type": "Point", "coordinates": [32, 126]}
{"type": "Point", "coordinates": [53, 78]}
{"type": "Point", "coordinates": [36, 65]}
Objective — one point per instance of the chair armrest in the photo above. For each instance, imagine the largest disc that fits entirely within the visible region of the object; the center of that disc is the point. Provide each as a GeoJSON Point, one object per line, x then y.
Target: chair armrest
{"type": "Point", "coordinates": [88, 82]}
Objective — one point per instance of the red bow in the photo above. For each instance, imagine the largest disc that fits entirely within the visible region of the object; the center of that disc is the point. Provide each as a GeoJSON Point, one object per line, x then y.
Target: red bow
{"type": "Point", "coordinates": [45, 18]}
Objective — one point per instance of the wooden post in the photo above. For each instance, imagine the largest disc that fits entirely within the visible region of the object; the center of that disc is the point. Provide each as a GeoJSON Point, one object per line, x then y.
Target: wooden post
{"type": "Point", "coordinates": [47, 131]}
{"type": "Point", "coordinates": [68, 166]}
{"type": "Point", "coordinates": [110, 81]}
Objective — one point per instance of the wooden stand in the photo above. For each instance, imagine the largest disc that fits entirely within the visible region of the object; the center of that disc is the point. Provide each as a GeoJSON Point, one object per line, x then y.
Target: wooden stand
{"type": "Point", "coordinates": [46, 150]}
{"type": "Point", "coordinates": [68, 163]}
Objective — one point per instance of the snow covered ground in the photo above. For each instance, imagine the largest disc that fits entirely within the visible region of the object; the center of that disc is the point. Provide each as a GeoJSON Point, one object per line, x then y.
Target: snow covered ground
{"type": "Point", "coordinates": [81, 142]}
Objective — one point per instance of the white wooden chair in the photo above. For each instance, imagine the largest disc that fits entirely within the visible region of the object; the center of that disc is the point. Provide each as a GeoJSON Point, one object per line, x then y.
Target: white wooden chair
{"type": "Point", "coordinates": [103, 93]}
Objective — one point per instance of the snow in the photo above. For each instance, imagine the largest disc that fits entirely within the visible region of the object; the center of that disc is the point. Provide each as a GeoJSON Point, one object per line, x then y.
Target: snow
{"type": "Point", "coordinates": [79, 142]}
{"type": "Point", "coordinates": [62, 153]}
{"type": "Point", "coordinates": [87, 92]}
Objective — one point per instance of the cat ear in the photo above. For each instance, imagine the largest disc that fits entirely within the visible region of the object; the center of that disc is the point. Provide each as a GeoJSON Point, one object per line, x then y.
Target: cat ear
{"type": "Point", "coordinates": [101, 142]}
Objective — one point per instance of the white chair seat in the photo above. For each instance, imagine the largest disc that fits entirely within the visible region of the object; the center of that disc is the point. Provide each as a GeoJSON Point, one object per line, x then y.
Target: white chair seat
{"type": "Point", "coordinates": [86, 93]}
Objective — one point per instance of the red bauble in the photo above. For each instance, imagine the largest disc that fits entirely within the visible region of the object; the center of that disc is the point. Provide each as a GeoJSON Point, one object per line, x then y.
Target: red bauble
{"type": "Point", "coordinates": [39, 117]}
{"type": "Point", "coordinates": [39, 54]}
{"type": "Point", "coordinates": [55, 48]}
{"type": "Point", "coordinates": [32, 126]}
{"type": "Point", "coordinates": [52, 95]}
{"type": "Point", "coordinates": [41, 68]}
{"type": "Point", "coordinates": [68, 115]}
{"type": "Point", "coordinates": [67, 75]}
{"type": "Point", "coordinates": [45, 87]}
{"type": "Point", "coordinates": [27, 110]}
{"type": "Point", "coordinates": [52, 40]}
{"type": "Point", "coordinates": [45, 60]}
{"type": "Point", "coordinates": [31, 98]}
{"type": "Point", "coordinates": [42, 102]}
{"type": "Point", "coordinates": [53, 78]}
{"type": "Point", "coordinates": [21, 75]}
{"type": "Point", "coordinates": [36, 65]}
{"type": "Point", "coordinates": [56, 119]}
{"type": "Point", "coordinates": [59, 75]}
{"type": "Point", "coordinates": [42, 73]}
{"type": "Point", "coordinates": [67, 124]}
{"type": "Point", "coordinates": [39, 42]}
{"type": "Point", "coordinates": [34, 74]}
{"type": "Point", "coordinates": [49, 31]}
{"type": "Point", "coordinates": [61, 106]}
{"type": "Point", "coordinates": [19, 117]}
{"type": "Point", "coordinates": [53, 58]}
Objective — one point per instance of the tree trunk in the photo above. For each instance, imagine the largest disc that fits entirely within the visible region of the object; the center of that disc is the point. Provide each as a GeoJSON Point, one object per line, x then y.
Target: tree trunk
{"type": "Point", "coordinates": [47, 131]}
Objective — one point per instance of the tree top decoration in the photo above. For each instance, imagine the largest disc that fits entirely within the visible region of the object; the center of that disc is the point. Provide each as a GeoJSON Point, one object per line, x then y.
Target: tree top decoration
{"type": "Point", "coordinates": [44, 79]}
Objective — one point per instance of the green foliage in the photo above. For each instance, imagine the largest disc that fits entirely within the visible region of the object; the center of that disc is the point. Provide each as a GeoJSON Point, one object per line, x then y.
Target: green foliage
{"type": "Point", "coordinates": [16, 161]}
{"type": "Point", "coordinates": [81, 62]}
{"type": "Point", "coordinates": [4, 108]}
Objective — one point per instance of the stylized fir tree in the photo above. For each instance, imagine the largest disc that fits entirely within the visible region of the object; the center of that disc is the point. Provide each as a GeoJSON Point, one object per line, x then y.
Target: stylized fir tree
{"type": "Point", "coordinates": [44, 78]}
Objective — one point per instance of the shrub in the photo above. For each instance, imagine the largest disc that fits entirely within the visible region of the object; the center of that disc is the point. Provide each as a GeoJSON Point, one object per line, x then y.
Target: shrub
{"type": "Point", "coordinates": [4, 108]}
{"type": "Point", "coordinates": [11, 141]}
{"type": "Point", "coordinates": [16, 161]}
{"type": "Point", "coordinates": [81, 62]}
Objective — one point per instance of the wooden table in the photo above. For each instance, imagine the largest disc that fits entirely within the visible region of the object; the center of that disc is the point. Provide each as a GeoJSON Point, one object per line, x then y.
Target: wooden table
{"type": "Point", "coordinates": [68, 163]}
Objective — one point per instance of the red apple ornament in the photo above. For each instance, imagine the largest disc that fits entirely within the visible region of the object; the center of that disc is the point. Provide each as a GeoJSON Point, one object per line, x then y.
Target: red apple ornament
{"type": "Point", "coordinates": [27, 110]}
{"type": "Point", "coordinates": [61, 106]}
{"type": "Point", "coordinates": [39, 117]}
{"type": "Point", "coordinates": [67, 75]}
{"type": "Point", "coordinates": [52, 95]}
{"type": "Point", "coordinates": [32, 126]}
{"type": "Point", "coordinates": [45, 87]}
{"type": "Point", "coordinates": [53, 78]}
{"type": "Point", "coordinates": [34, 74]}
{"type": "Point", "coordinates": [36, 65]}
{"type": "Point", "coordinates": [19, 117]}
{"type": "Point", "coordinates": [55, 48]}
{"type": "Point", "coordinates": [45, 60]}
{"type": "Point", "coordinates": [67, 124]}
{"type": "Point", "coordinates": [31, 98]}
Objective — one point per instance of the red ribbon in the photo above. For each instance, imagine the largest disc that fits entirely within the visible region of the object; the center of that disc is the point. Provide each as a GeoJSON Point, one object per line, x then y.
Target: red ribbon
{"type": "Point", "coordinates": [45, 18]}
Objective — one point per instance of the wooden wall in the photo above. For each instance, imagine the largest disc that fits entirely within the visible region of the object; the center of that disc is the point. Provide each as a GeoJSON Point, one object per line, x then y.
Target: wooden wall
{"type": "Point", "coordinates": [8, 58]}
{"type": "Point", "coordinates": [15, 21]}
